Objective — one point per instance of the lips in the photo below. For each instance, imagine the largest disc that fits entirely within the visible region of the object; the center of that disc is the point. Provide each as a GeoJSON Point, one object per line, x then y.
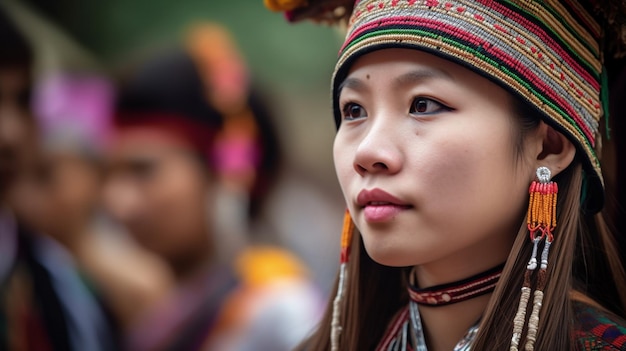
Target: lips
{"type": "Point", "coordinates": [380, 206]}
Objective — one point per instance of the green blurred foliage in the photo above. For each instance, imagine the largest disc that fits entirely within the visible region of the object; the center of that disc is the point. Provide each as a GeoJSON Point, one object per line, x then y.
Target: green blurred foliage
{"type": "Point", "coordinates": [277, 51]}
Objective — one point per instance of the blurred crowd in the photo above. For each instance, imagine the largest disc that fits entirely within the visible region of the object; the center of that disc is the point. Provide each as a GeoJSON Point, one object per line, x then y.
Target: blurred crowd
{"type": "Point", "coordinates": [134, 206]}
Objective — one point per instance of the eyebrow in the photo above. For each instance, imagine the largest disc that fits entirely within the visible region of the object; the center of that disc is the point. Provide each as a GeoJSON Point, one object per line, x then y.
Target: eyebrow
{"type": "Point", "coordinates": [405, 79]}
{"type": "Point", "coordinates": [420, 75]}
{"type": "Point", "coordinates": [353, 84]}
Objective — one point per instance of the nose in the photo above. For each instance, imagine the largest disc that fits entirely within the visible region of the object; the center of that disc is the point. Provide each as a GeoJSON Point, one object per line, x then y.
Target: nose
{"type": "Point", "coordinates": [379, 151]}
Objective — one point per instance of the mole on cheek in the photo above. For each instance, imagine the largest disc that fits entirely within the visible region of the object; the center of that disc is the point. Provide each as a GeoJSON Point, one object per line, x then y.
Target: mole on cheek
{"type": "Point", "coordinates": [367, 76]}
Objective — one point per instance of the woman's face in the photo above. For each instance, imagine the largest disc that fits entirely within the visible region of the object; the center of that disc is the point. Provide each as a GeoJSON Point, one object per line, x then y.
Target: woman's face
{"type": "Point", "coordinates": [159, 190]}
{"type": "Point", "coordinates": [426, 159]}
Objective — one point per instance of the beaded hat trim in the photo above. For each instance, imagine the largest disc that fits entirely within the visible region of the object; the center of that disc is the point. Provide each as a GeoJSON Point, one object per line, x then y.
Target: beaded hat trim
{"type": "Point", "coordinates": [545, 52]}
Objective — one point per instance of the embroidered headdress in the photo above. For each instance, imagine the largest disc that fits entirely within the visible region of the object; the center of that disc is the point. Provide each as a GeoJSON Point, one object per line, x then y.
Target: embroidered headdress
{"type": "Point", "coordinates": [547, 53]}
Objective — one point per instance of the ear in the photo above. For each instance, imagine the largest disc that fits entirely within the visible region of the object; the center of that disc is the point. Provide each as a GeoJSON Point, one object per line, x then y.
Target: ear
{"type": "Point", "coordinates": [556, 151]}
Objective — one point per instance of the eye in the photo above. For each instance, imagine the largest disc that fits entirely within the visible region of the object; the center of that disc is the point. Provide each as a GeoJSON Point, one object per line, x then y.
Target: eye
{"type": "Point", "coordinates": [353, 111]}
{"type": "Point", "coordinates": [425, 106]}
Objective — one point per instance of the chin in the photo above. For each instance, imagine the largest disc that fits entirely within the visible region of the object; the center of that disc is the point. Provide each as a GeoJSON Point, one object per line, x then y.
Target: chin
{"type": "Point", "coordinates": [390, 255]}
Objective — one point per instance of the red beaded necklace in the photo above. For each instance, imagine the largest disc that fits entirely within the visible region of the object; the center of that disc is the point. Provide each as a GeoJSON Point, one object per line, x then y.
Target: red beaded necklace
{"type": "Point", "coordinates": [446, 294]}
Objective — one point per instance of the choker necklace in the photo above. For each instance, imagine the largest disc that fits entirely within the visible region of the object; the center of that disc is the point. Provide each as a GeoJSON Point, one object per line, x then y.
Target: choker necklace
{"type": "Point", "coordinates": [446, 294]}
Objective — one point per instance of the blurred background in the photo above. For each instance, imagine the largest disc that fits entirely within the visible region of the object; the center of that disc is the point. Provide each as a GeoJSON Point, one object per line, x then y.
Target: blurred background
{"type": "Point", "coordinates": [89, 58]}
{"type": "Point", "coordinates": [293, 64]}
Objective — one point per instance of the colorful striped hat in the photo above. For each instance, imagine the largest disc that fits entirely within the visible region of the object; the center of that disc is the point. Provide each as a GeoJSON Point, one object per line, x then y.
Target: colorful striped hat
{"type": "Point", "coordinates": [547, 53]}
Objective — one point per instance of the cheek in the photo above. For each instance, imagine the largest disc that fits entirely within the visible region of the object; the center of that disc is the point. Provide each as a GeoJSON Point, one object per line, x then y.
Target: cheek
{"type": "Point", "coordinates": [477, 170]}
{"type": "Point", "coordinates": [440, 176]}
{"type": "Point", "coordinates": [343, 158]}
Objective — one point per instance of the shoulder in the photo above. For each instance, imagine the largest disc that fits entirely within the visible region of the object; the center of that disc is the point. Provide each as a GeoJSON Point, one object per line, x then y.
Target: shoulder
{"type": "Point", "coordinates": [598, 329]}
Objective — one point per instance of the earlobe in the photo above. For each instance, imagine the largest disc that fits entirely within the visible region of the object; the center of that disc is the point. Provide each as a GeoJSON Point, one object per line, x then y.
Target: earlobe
{"type": "Point", "coordinates": [557, 151]}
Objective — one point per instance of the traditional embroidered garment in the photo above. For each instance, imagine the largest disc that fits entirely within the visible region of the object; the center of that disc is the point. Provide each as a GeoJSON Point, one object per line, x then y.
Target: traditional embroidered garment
{"type": "Point", "coordinates": [595, 330]}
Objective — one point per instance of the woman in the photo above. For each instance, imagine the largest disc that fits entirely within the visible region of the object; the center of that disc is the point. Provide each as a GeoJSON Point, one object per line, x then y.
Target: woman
{"type": "Point", "coordinates": [447, 111]}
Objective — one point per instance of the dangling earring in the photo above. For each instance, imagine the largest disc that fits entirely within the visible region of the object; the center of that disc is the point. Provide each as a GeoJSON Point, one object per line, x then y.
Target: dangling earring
{"type": "Point", "coordinates": [346, 240]}
{"type": "Point", "coordinates": [541, 222]}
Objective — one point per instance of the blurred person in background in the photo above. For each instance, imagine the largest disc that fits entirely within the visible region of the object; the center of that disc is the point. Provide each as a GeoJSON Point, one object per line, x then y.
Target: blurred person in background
{"type": "Point", "coordinates": [193, 156]}
{"type": "Point", "coordinates": [62, 201]}
{"type": "Point", "coordinates": [44, 303]}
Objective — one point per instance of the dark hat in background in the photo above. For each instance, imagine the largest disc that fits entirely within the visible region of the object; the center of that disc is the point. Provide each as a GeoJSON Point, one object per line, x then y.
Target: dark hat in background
{"type": "Point", "coordinates": [166, 92]}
